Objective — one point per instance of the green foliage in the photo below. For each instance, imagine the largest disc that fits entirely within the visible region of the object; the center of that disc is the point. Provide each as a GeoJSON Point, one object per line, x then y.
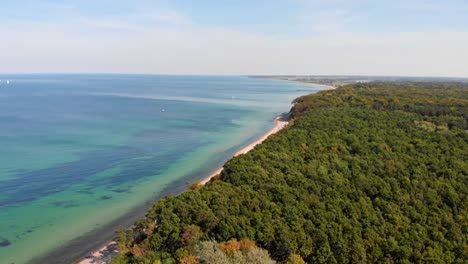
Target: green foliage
{"type": "Point", "coordinates": [446, 101]}
{"type": "Point", "coordinates": [367, 173]}
{"type": "Point", "coordinates": [124, 240]}
{"type": "Point", "coordinates": [295, 259]}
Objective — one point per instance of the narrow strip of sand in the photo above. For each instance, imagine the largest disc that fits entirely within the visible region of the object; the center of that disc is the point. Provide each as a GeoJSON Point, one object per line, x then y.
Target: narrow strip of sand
{"type": "Point", "coordinates": [104, 254]}
{"type": "Point", "coordinates": [279, 125]}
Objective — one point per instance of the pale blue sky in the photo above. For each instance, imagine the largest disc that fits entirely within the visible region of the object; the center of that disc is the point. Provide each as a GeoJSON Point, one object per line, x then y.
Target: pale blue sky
{"type": "Point", "coordinates": [412, 37]}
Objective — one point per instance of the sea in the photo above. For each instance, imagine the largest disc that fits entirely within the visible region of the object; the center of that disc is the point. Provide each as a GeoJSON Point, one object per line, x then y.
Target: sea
{"type": "Point", "coordinates": [83, 155]}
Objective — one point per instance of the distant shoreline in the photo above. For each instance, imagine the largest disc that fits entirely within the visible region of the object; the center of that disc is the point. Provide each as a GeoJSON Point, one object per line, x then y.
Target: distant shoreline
{"type": "Point", "coordinates": [301, 81]}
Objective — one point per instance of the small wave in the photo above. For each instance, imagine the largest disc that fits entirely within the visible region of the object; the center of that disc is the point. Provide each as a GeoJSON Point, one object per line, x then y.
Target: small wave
{"type": "Point", "coordinates": [182, 98]}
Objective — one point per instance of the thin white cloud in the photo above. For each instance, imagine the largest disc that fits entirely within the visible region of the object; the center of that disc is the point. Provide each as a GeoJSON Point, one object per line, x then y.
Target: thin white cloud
{"type": "Point", "coordinates": [163, 16]}
{"type": "Point", "coordinates": [326, 16]}
{"type": "Point", "coordinates": [103, 24]}
{"type": "Point", "coordinates": [326, 22]}
{"type": "Point", "coordinates": [202, 50]}
{"type": "Point", "coordinates": [430, 5]}
{"type": "Point", "coordinates": [59, 6]}
{"type": "Point", "coordinates": [134, 22]}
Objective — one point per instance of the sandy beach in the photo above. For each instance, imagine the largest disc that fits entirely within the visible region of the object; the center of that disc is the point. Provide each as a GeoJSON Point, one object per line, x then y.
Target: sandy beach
{"type": "Point", "coordinates": [279, 125]}
{"type": "Point", "coordinates": [102, 255]}
{"type": "Point", "coordinates": [109, 250]}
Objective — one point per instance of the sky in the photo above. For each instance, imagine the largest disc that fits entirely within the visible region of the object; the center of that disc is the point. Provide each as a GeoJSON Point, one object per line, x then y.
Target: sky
{"type": "Point", "coordinates": [227, 37]}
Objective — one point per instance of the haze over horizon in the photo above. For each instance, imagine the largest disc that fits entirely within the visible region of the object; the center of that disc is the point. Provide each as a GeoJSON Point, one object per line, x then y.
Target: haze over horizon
{"type": "Point", "coordinates": [296, 37]}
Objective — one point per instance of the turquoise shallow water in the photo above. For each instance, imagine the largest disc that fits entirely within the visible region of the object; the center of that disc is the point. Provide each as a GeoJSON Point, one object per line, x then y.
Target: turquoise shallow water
{"type": "Point", "coordinates": [81, 151]}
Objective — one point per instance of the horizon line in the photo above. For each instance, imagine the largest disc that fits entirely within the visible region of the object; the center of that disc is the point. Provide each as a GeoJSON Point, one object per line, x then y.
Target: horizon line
{"type": "Point", "coordinates": [240, 75]}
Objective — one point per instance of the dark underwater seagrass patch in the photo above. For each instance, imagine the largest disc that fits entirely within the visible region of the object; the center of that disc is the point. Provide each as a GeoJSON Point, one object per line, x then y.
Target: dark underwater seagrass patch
{"type": "Point", "coordinates": [4, 242]}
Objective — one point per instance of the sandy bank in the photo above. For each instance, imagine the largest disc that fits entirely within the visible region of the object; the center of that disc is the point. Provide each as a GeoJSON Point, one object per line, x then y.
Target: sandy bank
{"type": "Point", "coordinates": [102, 255]}
{"type": "Point", "coordinates": [279, 124]}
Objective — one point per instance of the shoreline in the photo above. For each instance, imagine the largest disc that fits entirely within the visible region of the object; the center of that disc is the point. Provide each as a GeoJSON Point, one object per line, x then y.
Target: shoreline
{"type": "Point", "coordinates": [102, 255]}
{"type": "Point", "coordinates": [327, 86]}
{"type": "Point", "coordinates": [107, 251]}
{"type": "Point", "coordinates": [279, 125]}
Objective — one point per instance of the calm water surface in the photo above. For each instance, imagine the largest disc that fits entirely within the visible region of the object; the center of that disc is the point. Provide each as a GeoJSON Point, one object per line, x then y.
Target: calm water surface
{"type": "Point", "coordinates": [78, 152]}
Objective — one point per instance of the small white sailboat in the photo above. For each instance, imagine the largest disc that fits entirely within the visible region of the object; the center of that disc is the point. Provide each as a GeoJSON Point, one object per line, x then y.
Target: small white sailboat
{"type": "Point", "coordinates": [7, 81]}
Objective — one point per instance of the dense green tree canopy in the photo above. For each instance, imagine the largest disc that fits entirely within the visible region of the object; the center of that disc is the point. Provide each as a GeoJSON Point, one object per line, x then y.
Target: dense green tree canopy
{"type": "Point", "coordinates": [367, 173]}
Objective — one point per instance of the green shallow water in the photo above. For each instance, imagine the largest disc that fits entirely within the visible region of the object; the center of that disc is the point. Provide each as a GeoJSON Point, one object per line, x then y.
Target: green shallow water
{"type": "Point", "coordinates": [80, 152]}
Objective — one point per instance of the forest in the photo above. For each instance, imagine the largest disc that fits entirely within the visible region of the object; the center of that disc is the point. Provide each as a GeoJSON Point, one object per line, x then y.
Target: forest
{"type": "Point", "coordinates": [366, 173]}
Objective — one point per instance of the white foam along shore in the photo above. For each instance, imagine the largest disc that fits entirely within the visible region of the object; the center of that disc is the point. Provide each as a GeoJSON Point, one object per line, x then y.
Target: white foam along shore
{"type": "Point", "coordinates": [105, 253]}
{"type": "Point", "coordinates": [102, 255]}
